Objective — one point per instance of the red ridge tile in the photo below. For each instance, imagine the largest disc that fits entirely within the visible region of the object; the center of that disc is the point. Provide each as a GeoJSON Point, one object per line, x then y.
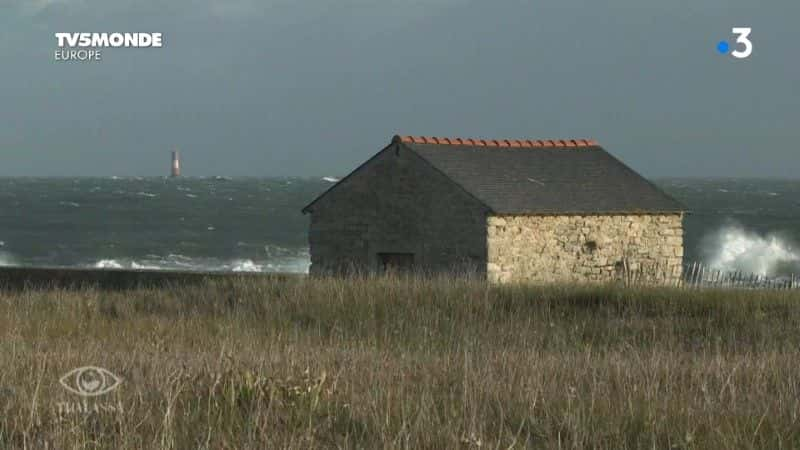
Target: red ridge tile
{"type": "Point", "coordinates": [502, 143]}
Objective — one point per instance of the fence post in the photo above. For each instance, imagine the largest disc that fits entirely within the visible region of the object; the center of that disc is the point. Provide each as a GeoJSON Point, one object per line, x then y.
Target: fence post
{"type": "Point", "coordinates": [700, 273]}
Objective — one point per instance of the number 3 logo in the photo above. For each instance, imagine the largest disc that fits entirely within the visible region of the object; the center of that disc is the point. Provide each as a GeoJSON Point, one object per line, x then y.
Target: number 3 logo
{"type": "Point", "coordinates": [743, 33]}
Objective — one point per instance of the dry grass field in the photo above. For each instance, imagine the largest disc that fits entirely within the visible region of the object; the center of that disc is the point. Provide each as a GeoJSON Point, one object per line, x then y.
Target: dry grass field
{"type": "Point", "coordinates": [401, 363]}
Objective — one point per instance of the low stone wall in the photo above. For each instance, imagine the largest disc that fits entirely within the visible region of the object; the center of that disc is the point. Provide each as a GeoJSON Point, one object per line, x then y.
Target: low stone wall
{"type": "Point", "coordinates": [583, 248]}
{"type": "Point", "coordinates": [17, 278]}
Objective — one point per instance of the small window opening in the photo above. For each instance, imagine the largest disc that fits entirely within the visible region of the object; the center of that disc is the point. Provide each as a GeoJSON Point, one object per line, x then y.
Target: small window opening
{"type": "Point", "coordinates": [396, 262]}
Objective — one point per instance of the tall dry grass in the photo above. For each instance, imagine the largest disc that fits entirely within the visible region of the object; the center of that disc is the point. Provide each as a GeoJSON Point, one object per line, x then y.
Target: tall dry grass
{"type": "Point", "coordinates": [402, 363]}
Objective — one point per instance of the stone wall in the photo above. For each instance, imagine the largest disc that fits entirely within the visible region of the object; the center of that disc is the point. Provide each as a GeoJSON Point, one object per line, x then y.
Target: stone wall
{"type": "Point", "coordinates": [397, 203]}
{"type": "Point", "coordinates": [583, 248]}
{"type": "Point", "coordinates": [26, 278]}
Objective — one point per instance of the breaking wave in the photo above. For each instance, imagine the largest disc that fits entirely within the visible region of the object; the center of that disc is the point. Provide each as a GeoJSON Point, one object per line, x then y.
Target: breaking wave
{"type": "Point", "coordinates": [7, 259]}
{"type": "Point", "coordinates": [108, 264]}
{"type": "Point", "coordinates": [296, 264]}
{"type": "Point", "coordinates": [734, 248]}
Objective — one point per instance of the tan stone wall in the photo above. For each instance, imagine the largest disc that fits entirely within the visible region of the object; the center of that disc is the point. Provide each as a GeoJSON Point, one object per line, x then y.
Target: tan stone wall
{"type": "Point", "coordinates": [583, 248]}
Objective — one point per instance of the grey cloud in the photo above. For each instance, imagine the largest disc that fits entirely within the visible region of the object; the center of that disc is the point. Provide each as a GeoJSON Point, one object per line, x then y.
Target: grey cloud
{"type": "Point", "coordinates": [313, 87]}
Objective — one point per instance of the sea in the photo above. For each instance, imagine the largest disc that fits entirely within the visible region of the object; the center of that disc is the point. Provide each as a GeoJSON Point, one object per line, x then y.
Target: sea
{"type": "Point", "coordinates": [255, 224]}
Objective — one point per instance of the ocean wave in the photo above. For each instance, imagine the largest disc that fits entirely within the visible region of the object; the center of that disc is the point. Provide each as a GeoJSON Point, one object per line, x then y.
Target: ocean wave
{"type": "Point", "coordinates": [733, 248]}
{"type": "Point", "coordinates": [246, 265]}
{"type": "Point", "coordinates": [296, 264]}
{"type": "Point", "coordinates": [7, 259]}
{"type": "Point", "coordinates": [135, 265]}
{"type": "Point", "coordinates": [108, 264]}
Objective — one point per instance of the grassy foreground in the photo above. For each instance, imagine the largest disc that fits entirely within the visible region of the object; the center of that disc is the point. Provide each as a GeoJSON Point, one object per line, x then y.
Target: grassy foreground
{"type": "Point", "coordinates": [388, 363]}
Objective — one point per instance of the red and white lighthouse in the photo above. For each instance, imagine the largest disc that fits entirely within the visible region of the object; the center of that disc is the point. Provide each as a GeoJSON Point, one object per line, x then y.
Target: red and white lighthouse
{"type": "Point", "coordinates": [176, 164]}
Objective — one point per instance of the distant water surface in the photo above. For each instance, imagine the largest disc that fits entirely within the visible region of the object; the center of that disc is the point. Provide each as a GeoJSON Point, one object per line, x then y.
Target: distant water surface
{"type": "Point", "coordinates": [241, 224]}
{"type": "Point", "coordinates": [252, 224]}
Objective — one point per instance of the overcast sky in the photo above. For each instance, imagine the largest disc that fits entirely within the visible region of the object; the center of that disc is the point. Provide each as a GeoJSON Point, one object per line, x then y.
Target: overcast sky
{"type": "Point", "coordinates": [314, 87]}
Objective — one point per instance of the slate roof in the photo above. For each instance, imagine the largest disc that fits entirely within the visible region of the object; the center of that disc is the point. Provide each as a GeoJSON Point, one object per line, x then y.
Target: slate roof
{"type": "Point", "coordinates": [541, 177]}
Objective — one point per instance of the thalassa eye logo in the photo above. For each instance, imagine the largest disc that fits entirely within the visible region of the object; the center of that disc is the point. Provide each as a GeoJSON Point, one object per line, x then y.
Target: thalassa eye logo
{"type": "Point", "coordinates": [90, 381]}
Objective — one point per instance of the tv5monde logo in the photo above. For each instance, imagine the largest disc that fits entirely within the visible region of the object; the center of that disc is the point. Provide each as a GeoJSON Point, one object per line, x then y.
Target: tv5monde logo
{"type": "Point", "coordinates": [89, 46]}
{"type": "Point", "coordinates": [744, 46]}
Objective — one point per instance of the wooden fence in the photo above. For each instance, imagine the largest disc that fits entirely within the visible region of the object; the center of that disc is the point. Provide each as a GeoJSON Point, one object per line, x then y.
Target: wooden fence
{"type": "Point", "coordinates": [699, 276]}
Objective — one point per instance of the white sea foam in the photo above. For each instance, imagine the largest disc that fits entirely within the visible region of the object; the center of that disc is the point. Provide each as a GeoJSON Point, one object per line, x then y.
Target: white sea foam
{"type": "Point", "coordinates": [135, 265]}
{"type": "Point", "coordinates": [734, 248]}
{"type": "Point", "coordinates": [73, 204]}
{"type": "Point", "coordinates": [146, 194]}
{"type": "Point", "coordinates": [108, 264]}
{"type": "Point", "coordinates": [246, 265]}
{"type": "Point", "coordinates": [299, 263]}
{"type": "Point", "coordinates": [7, 259]}
{"type": "Point", "coordinates": [331, 179]}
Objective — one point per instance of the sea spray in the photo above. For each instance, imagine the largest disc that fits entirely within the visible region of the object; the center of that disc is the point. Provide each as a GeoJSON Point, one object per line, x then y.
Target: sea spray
{"type": "Point", "coordinates": [733, 248]}
{"type": "Point", "coordinates": [7, 259]}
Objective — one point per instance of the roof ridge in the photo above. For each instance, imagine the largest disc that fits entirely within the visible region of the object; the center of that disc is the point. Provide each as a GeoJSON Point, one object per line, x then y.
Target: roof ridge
{"type": "Point", "coordinates": [511, 143]}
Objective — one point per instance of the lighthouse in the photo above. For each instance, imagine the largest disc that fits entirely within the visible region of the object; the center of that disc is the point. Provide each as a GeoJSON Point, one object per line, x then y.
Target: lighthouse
{"type": "Point", "coordinates": [176, 164]}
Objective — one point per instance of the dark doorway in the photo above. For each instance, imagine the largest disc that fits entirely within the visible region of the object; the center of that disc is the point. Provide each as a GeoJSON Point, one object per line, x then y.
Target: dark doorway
{"type": "Point", "coordinates": [396, 262]}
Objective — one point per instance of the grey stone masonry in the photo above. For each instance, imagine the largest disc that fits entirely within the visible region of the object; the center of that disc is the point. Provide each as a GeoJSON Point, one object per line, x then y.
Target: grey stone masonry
{"type": "Point", "coordinates": [397, 203]}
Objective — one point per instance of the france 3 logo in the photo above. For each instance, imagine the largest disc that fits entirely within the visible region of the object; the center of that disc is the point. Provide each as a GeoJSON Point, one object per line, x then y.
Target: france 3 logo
{"type": "Point", "coordinates": [744, 47]}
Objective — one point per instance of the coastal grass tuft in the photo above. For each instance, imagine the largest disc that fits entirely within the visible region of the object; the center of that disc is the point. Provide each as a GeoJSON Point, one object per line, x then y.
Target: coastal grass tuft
{"type": "Point", "coordinates": [402, 363]}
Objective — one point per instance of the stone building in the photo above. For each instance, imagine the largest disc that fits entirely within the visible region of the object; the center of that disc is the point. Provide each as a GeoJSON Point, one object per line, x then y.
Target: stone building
{"type": "Point", "coordinates": [511, 210]}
